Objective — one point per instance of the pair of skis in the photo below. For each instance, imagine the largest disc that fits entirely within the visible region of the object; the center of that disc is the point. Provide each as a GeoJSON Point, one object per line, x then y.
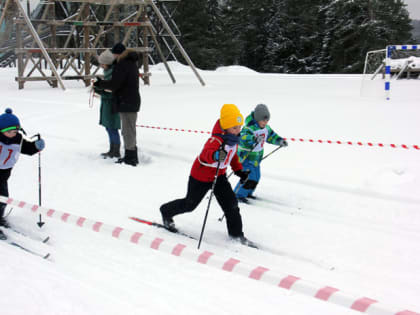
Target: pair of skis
{"type": "Point", "coordinates": [290, 255]}
{"type": "Point", "coordinates": [161, 226]}
{"type": "Point", "coordinates": [33, 243]}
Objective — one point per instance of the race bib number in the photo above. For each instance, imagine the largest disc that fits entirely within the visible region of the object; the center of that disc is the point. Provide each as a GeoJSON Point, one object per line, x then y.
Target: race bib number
{"type": "Point", "coordinates": [264, 134]}
{"type": "Point", "coordinates": [9, 154]}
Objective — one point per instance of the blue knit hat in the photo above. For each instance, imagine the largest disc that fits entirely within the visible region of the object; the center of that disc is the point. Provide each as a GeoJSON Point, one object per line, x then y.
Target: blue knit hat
{"type": "Point", "coordinates": [8, 121]}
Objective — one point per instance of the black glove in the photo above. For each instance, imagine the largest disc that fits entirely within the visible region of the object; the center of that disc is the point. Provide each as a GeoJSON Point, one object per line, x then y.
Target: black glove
{"type": "Point", "coordinates": [243, 175]}
{"type": "Point", "coordinates": [97, 82]}
{"type": "Point", "coordinates": [220, 155]}
{"type": "Point", "coordinates": [283, 143]}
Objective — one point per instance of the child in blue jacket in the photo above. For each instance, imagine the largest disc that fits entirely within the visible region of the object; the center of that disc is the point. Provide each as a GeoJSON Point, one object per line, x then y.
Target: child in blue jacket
{"type": "Point", "coordinates": [254, 135]}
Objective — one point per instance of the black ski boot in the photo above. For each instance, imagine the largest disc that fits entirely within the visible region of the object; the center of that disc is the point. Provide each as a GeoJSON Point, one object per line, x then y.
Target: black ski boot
{"type": "Point", "coordinates": [169, 223]}
{"type": "Point", "coordinates": [244, 241]}
{"type": "Point", "coordinates": [130, 158]}
{"type": "Point", "coordinates": [106, 155]}
{"type": "Point", "coordinates": [3, 236]}
{"type": "Point", "coordinates": [115, 150]}
{"type": "Point", "coordinates": [4, 223]}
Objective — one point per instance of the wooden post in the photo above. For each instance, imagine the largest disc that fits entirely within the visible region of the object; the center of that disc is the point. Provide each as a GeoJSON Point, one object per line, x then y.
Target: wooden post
{"type": "Point", "coordinates": [161, 54]}
{"type": "Point", "coordinates": [177, 43]}
{"type": "Point", "coordinates": [145, 38]}
{"type": "Point", "coordinates": [116, 28]}
{"type": "Point", "coordinates": [86, 45]}
{"type": "Point", "coordinates": [19, 44]}
{"type": "Point", "coordinates": [39, 42]}
{"type": "Point", "coordinates": [53, 39]}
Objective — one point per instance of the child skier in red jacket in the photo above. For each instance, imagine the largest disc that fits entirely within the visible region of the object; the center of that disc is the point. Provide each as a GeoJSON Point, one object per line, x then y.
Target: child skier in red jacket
{"type": "Point", "coordinates": [219, 151]}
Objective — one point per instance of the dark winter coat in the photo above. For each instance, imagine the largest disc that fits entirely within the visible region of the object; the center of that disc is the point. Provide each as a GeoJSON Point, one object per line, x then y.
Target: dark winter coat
{"type": "Point", "coordinates": [124, 83]}
{"type": "Point", "coordinates": [107, 118]}
{"type": "Point", "coordinates": [204, 168]}
{"type": "Point", "coordinates": [26, 147]}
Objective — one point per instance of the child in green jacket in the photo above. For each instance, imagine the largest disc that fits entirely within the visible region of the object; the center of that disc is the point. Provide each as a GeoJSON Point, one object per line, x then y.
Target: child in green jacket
{"type": "Point", "coordinates": [254, 135]}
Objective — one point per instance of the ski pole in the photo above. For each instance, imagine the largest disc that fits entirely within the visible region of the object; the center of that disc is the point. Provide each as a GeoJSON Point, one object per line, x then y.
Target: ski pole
{"type": "Point", "coordinates": [39, 174]}
{"type": "Point", "coordinates": [235, 191]}
{"type": "Point", "coordinates": [211, 195]}
{"type": "Point", "coordinates": [237, 188]}
{"type": "Point", "coordinates": [40, 223]}
{"type": "Point", "coordinates": [271, 153]}
{"type": "Point", "coordinates": [39, 170]}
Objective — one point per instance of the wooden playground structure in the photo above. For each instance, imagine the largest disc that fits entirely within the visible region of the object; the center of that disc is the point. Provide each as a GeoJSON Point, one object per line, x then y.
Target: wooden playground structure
{"type": "Point", "coordinates": [64, 40]}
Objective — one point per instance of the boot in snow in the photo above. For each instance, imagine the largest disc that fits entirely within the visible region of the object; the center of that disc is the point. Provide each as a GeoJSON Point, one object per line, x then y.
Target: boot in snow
{"type": "Point", "coordinates": [169, 224]}
{"type": "Point", "coordinates": [115, 150]}
{"type": "Point", "coordinates": [4, 223]}
{"type": "Point", "coordinates": [106, 155]}
{"type": "Point", "coordinates": [130, 158]}
{"type": "Point", "coordinates": [3, 237]}
{"type": "Point", "coordinates": [244, 241]}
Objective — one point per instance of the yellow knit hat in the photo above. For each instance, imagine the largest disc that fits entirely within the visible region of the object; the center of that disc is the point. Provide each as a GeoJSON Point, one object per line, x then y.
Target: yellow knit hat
{"type": "Point", "coordinates": [230, 116]}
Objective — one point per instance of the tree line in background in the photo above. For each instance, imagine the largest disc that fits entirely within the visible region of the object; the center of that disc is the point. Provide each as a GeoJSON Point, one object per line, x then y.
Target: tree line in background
{"type": "Point", "coordinates": [290, 36]}
{"type": "Point", "coordinates": [416, 31]}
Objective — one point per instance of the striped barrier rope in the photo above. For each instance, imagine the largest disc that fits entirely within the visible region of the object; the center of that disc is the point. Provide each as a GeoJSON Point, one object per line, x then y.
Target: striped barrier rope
{"type": "Point", "coordinates": [285, 281]}
{"type": "Point", "coordinates": [352, 143]}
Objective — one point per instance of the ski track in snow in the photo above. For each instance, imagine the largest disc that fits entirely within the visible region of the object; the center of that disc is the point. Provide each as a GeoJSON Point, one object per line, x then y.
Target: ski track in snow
{"type": "Point", "coordinates": [342, 217]}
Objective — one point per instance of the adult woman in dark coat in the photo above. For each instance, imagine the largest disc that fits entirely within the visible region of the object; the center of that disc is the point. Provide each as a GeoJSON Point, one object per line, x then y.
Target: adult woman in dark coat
{"type": "Point", "coordinates": [124, 85]}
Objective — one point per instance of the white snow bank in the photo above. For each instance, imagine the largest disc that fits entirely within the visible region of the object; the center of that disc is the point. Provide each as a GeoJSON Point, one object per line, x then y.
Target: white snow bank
{"type": "Point", "coordinates": [236, 70]}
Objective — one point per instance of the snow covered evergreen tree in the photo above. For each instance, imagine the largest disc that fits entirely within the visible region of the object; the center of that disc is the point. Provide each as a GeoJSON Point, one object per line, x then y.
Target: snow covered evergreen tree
{"type": "Point", "coordinates": [305, 36]}
{"type": "Point", "coordinates": [293, 37]}
{"type": "Point", "coordinates": [246, 28]}
{"type": "Point", "coordinates": [353, 27]}
{"type": "Point", "coordinates": [201, 29]}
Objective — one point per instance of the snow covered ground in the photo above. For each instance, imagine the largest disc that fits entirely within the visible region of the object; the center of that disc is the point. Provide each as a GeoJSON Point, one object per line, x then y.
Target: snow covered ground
{"type": "Point", "coordinates": [336, 215]}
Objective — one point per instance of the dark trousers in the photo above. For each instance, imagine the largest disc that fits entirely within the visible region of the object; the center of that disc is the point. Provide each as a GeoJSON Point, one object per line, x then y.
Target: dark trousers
{"type": "Point", "coordinates": [196, 192]}
{"type": "Point", "coordinates": [4, 191]}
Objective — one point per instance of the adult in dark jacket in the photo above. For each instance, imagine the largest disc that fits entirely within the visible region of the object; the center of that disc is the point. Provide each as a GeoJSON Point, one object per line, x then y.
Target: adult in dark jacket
{"type": "Point", "coordinates": [124, 85]}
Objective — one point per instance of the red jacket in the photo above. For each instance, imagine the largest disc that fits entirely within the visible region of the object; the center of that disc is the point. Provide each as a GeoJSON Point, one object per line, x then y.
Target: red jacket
{"type": "Point", "coordinates": [204, 167]}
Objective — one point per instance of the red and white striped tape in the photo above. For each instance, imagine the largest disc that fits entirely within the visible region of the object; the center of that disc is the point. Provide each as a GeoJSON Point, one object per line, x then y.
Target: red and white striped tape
{"type": "Point", "coordinates": [352, 143]}
{"type": "Point", "coordinates": [285, 281]}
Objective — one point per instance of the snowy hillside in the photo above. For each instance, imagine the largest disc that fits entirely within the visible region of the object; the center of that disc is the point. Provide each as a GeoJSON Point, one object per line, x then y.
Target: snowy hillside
{"type": "Point", "coordinates": [336, 215]}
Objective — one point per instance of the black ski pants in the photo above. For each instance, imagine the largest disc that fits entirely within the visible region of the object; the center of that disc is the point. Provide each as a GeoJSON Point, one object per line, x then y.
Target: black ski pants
{"type": "Point", "coordinates": [196, 192]}
{"type": "Point", "coordinates": [4, 191]}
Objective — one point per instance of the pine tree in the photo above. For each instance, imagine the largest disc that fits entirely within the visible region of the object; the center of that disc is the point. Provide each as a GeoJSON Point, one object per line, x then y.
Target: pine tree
{"type": "Point", "coordinates": [293, 37]}
{"type": "Point", "coordinates": [246, 28]}
{"type": "Point", "coordinates": [353, 27]}
{"type": "Point", "coordinates": [198, 22]}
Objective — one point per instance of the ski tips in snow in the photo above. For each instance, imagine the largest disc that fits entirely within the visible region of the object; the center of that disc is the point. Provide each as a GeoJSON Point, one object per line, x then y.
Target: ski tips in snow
{"type": "Point", "coordinates": [26, 243]}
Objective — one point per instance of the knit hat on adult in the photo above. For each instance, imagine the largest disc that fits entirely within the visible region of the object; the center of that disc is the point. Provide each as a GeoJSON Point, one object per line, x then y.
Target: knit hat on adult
{"type": "Point", "coordinates": [230, 116]}
{"type": "Point", "coordinates": [106, 58]}
{"type": "Point", "coordinates": [118, 48]}
{"type": "Point", "coordinates": [261, 112]}
{"type": "Point", "coordinates": [8, 121]}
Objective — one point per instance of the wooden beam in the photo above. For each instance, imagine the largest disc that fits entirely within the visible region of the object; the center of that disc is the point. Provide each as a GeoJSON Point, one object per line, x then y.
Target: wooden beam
{"type": "Point", "coordinates": [39, 42]}
{"type": "Point", "coordinates": [75, 50]}
{"type": "Point", "coordinates": [71, 77]}
{"type": "Point", "coordinates": [177, 43]}
{"type": "Point", "coordinates": [107, 2]}
{"type": "Point", "coordinates": [87, 23]}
